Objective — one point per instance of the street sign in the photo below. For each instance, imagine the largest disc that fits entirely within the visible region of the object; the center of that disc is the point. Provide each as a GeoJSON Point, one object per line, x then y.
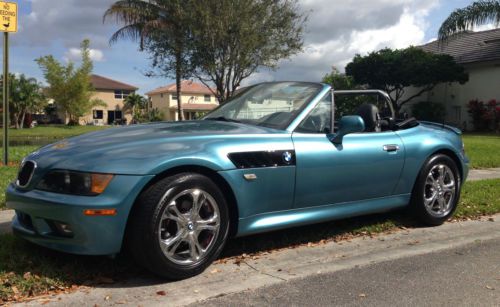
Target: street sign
{"type": "Point", "coordinates": [8, 16]}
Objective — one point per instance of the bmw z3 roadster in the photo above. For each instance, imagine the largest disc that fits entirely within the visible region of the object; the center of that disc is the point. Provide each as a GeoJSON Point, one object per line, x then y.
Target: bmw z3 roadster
{"type": "Point", "coordinates": [277, 155]}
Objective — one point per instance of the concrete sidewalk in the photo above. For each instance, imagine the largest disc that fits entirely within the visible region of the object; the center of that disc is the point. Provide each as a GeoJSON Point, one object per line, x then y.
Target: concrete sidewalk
{"type": "Point", "coordinates": [481, 174]}
{"type": "Point", "coordinates": [474, 175]}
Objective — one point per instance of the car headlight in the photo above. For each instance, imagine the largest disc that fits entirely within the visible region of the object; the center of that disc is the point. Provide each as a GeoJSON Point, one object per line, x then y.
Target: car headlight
{"type": "Point", "coordinates": [74, 183]}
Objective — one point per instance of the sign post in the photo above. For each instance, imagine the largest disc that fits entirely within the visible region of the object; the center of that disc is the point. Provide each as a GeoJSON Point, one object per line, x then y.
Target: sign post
{"type": "Point", "coordinates": [8, 23]}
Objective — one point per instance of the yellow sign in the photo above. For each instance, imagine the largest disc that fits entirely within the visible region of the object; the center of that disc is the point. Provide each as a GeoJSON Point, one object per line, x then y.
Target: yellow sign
{"type": "Point", "coordinates": [8, 16]}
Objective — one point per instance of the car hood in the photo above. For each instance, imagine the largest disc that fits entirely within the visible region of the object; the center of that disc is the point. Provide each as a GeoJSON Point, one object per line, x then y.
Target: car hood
{"type": "Point", "coordinates": [138, 149]}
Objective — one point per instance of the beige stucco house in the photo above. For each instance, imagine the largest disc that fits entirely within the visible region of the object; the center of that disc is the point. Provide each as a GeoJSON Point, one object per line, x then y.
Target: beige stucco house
{"type": "Point", "coordinates": [112, 93]}
{"type": "Point", "coordinates": [195, 98]}
{"type": "Point", "coordinates": [479, 53]}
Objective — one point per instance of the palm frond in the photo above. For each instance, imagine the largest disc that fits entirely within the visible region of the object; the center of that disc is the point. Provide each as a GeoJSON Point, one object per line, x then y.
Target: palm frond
{"type": "Point", "coordinates": [478, 13]}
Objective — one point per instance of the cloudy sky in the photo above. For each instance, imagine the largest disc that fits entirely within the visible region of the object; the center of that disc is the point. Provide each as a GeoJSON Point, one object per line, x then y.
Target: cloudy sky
{"type": "Point", "coordinates": [336, 31]}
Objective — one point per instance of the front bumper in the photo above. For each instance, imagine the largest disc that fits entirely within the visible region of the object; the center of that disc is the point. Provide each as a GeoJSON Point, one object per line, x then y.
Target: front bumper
{"type": "Point", "coordinates": [38, 214]}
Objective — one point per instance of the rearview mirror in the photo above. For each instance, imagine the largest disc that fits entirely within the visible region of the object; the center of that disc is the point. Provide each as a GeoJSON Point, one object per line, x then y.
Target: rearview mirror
{"type": "Point", "coordinates": [348, 124]}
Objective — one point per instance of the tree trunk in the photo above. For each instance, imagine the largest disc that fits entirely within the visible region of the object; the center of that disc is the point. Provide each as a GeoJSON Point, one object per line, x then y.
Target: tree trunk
{"type": "Point", "coordinates": [178, 82]}
{"type": "Point", "coordinates": [22, 119]}
{"type": "Point", "coordinates": [16, 120]}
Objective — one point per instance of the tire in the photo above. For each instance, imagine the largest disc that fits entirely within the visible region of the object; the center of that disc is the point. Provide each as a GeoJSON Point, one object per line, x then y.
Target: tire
{"type": "Point", "coordinates": [437, 190]}
{"type": "Point", "coordinates": [166, 236]}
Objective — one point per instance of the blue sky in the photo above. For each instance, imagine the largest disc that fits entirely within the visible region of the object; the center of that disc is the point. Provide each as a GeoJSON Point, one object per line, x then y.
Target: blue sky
{"type": "Point", "coordinates": [336, 31]}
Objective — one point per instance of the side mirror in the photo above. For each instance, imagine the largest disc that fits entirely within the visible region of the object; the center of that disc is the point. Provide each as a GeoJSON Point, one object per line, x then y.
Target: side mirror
{"type": "Point", "coordinates": [348, 124]}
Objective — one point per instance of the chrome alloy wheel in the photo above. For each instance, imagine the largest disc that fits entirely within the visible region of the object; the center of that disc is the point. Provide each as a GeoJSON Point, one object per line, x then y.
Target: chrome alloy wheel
{"type": "Point", "coordinates": [189, 226]}
{"type": "Point", "coordinates": [439, 191]}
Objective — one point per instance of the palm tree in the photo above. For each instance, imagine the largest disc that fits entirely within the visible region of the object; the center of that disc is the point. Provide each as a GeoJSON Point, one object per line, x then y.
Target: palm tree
{"type": "Point", "coordinates": [134, 101]}
{"type": "Point", "coordinates": [478, 13]}
{"type": "Point", "coordinates": [142, 19]}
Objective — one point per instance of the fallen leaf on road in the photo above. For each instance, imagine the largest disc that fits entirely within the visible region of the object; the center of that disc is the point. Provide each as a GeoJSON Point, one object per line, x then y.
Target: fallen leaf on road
{"type": "Point", "coordinates": [490, 288]}
{"type": "Point", "coordinates": [107, 297]}
{"type": "Point", "coordinates": [362, 295]}
{"type": "Point", "coordinates": [491, 219]}
{"type": "Point", "coordinates": [162, 293]}
{"type": "Point", "coordinates": [214, 271]}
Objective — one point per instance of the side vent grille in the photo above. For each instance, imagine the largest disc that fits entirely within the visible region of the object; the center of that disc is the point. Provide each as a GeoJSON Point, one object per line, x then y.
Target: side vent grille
{"type": "Point", "coordinates": [258, 159]}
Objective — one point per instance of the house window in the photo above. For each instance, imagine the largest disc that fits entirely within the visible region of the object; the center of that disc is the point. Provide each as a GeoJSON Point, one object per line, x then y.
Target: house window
{"type": "Point", "coordinates": [207, 98]}
{"type": "Point", "coordinates": [174, 96]}
{"type": "Point", "coordinates": [161, 95]}
{"type": "Point", "coordinates": [97, 114]}
{"type": "Point", "coordinates": [122, 94]}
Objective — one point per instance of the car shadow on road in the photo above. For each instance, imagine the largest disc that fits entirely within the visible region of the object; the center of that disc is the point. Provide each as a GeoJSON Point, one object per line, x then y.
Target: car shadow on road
{"type": "Point", "coordinates": [122, 271]}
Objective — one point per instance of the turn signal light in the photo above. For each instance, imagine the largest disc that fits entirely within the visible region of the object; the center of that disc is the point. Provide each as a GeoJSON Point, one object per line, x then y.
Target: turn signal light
{"type": "Point", "coordinates": [100, 182]}
{"type": "Point", "coordinates": [99, 212]}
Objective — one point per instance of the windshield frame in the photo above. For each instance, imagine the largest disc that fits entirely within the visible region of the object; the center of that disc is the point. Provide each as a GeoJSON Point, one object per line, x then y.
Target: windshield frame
{"type": "Point", "coordinates": [312, 100]}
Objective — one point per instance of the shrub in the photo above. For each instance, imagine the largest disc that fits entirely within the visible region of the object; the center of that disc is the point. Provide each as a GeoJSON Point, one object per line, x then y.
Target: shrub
{"type": "Point", "coordinates": [485, 116]}
{"type": "Point", "coordinates": [430, 111]}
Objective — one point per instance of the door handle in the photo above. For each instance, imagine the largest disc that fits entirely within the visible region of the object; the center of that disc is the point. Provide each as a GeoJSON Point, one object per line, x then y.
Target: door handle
{"type": "Point", "coordinates": [391, 147]}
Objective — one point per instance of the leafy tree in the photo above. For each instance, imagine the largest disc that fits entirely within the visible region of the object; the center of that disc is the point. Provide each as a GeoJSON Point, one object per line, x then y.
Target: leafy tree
{"type": "Point", "coordinates": [162, 30]}
{"type": "Point", "coordinates": [137, 105]}
{"type": "Point", "coordinates": [70, 86]}
{"type": "Point", "coordinates": [478, 13]}
{"type": "Point", "coordinates": [231, 39]}
{"type": "Point", "coordinates": [25, 96]}
{"type": "Point", "coordinates": [340, 81]}
{"type": "Point", "coordinates": [344, 104]}
{"type": "Point", "coordinates": [395, 70]}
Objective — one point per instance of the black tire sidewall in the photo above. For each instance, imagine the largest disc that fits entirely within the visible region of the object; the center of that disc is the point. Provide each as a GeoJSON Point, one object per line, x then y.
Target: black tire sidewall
{"type": "Point", "coordinates": [417, 199]}
{"type": "Point", "coordinates": [152, 256]}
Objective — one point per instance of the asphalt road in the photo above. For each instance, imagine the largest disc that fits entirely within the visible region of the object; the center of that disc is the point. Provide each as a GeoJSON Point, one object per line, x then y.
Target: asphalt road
{"type": "Point", "coordinates": [465, 276]}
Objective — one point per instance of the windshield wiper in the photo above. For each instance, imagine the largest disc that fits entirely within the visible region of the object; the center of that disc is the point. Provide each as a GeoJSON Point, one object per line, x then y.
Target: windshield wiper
{"type": "Point", "coordinates": [223, 119]}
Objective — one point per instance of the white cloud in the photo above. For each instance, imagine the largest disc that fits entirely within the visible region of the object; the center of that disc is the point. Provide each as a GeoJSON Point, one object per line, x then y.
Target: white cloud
{"type": "Point", "coordinates": [336, 32]}
{"type": "Point", "coordinates": [75, 54]}
{"type": "Point", "coordinates": [65, 21]}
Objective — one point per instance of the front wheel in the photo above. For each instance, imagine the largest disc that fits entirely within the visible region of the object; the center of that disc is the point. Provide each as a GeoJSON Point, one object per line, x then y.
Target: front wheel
{"type": "Point", "coordinates": [178, 226]}
{"type": "Point", "coordinates": [437, 190]}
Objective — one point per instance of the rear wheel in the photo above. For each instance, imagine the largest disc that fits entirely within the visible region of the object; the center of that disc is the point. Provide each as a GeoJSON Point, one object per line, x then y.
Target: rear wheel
{"type": "Point", "coordinates": [437, 190]}
{"type": "Point", "coordinates": [178, 226]}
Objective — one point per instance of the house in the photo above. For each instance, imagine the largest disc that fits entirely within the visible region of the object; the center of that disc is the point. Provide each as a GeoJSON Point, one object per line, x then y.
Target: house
{"type": "Point", "coordinates": [112, 93]}
{"type": "Point", "coordinates": [479, 53]}
{"type": "Point", "coordinates": [196, 99]}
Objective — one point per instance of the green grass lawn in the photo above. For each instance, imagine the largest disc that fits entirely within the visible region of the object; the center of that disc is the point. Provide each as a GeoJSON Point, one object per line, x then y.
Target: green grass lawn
{"type": "Point", "coordinates": [7, 175]}
{"type": "Point", "coordinates": [483, 150]}
{"type": "Point", "coordinates": [53, 132]}
{"type": "Point", "coordinates": [28, 270]}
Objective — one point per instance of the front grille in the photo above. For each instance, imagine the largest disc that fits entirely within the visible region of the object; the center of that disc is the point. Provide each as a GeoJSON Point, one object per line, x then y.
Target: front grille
{"type": "Point", "coordinates": [25, 173]}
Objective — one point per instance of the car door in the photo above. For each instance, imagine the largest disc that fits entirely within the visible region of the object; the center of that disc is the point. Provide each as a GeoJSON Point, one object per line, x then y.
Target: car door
{"type": "Point", "coordinates": [364, 166]}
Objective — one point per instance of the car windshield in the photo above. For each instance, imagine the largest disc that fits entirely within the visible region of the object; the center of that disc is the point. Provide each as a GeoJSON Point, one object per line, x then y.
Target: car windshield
{"type": "Point", "coordinates": [272, 105]}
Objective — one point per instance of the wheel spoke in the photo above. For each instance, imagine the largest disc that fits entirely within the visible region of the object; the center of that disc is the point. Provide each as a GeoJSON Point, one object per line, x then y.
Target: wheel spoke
{"type": "Point", "coordinates": [169, 246]}
{"type": "Point", "coordinates": [441, 171]}
{"type": "Point", "coordinates": [173, 213]}
{"type": "Point", "coordinates": [450, 187]}
{"type": "Point", "coordinates": [195, 249]}
{"type": "Point", "coordinates": [199, 199]}
{"type": "Point", "coordinates": [429, 202]}
{"type": "Point", "coordinates": [441, 204]}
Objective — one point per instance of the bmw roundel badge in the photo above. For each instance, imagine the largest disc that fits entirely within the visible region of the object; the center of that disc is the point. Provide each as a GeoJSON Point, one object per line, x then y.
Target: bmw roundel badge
{"type": "Point", "coordinates": [287, 157]}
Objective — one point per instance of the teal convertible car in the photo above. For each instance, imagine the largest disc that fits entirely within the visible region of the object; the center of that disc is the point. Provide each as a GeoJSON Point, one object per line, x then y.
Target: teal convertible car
{"type": "Point", "coordinates": [276, 155]}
